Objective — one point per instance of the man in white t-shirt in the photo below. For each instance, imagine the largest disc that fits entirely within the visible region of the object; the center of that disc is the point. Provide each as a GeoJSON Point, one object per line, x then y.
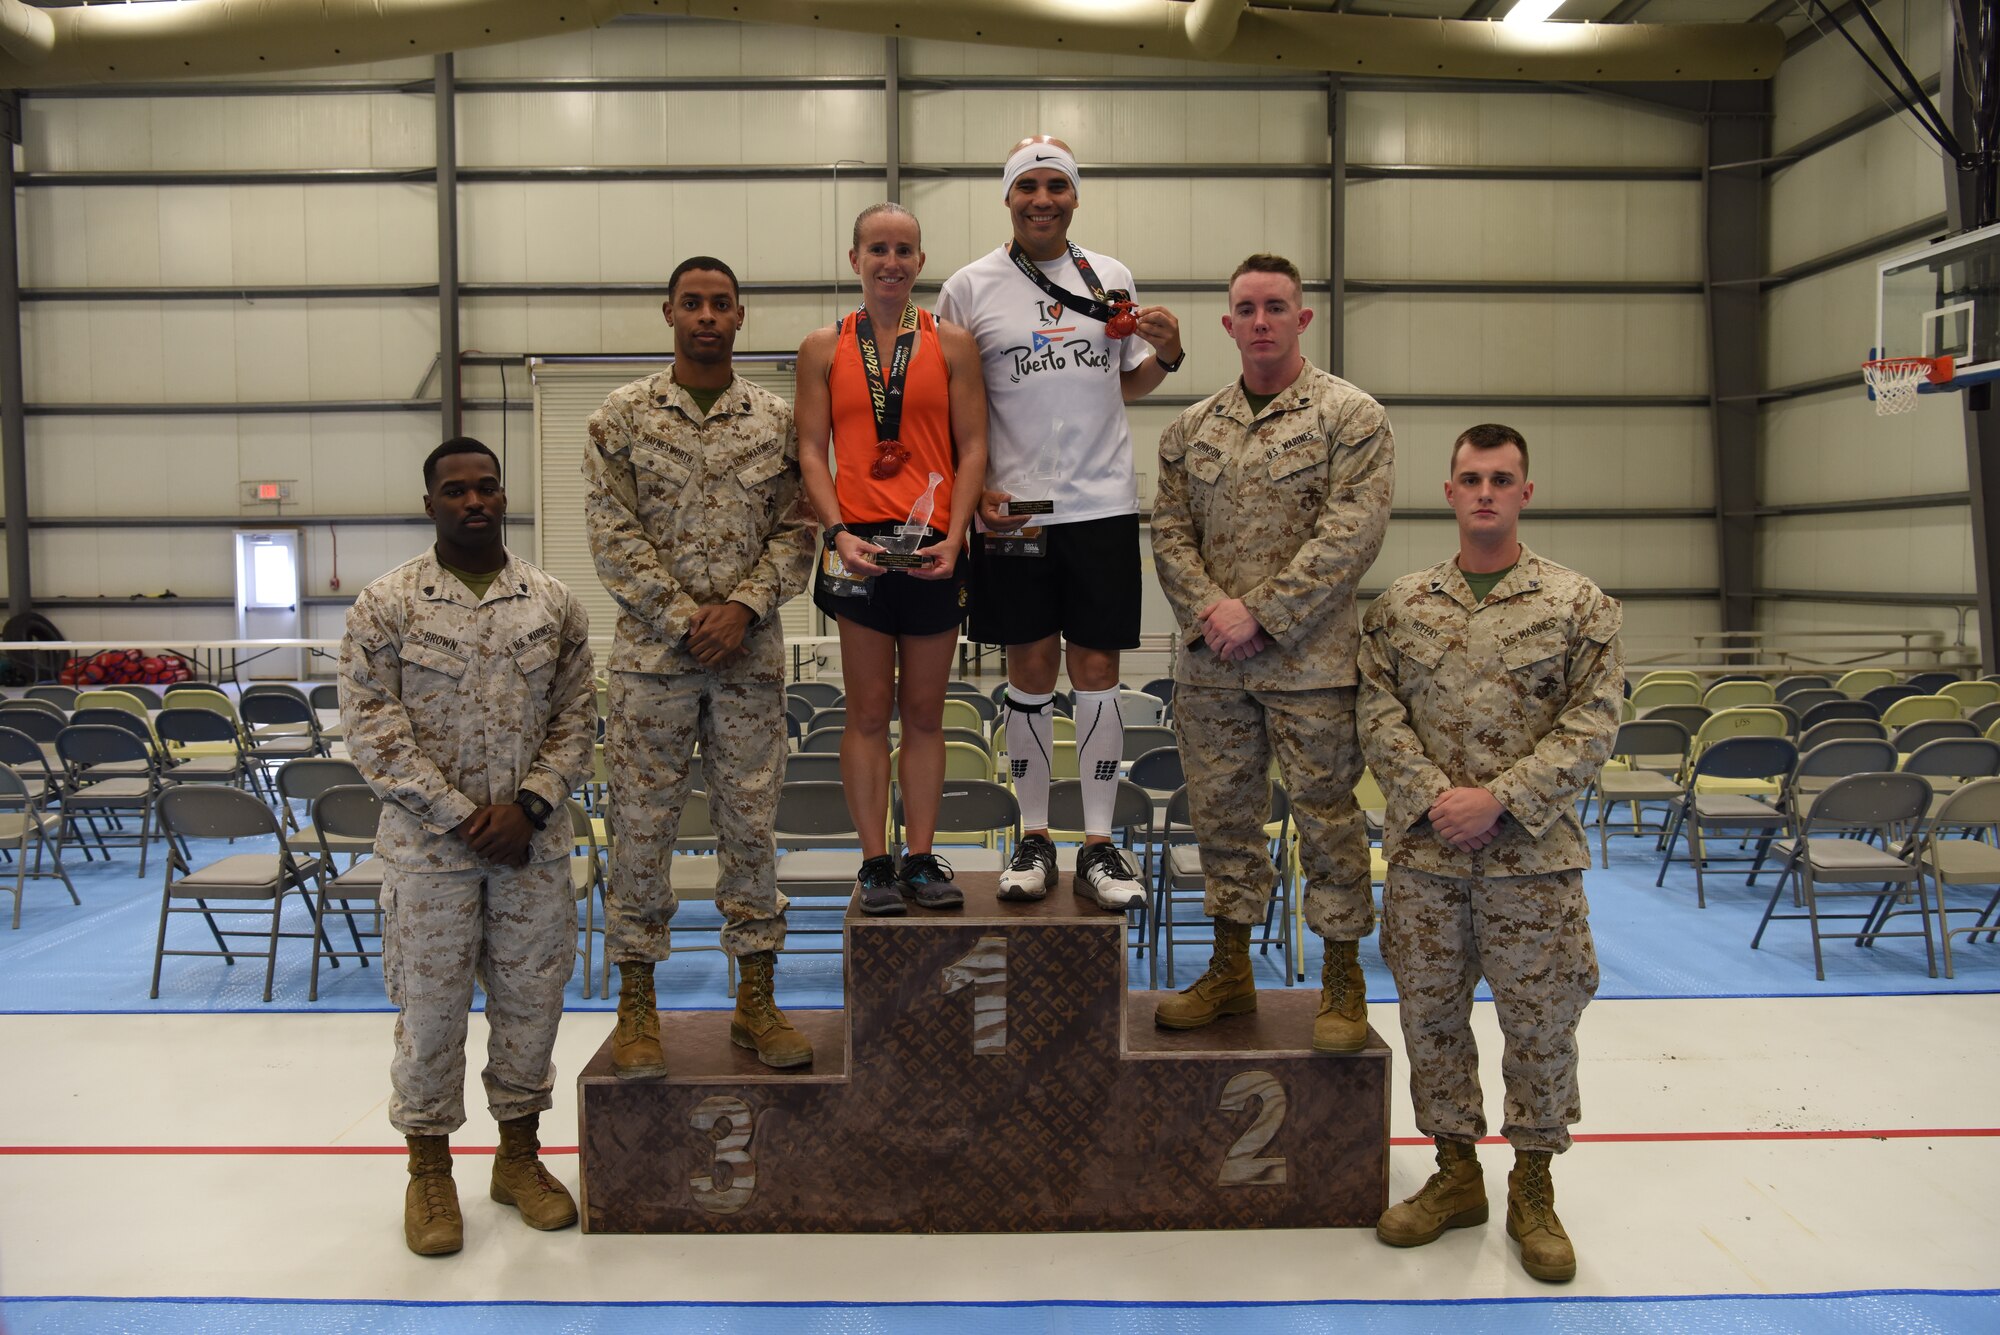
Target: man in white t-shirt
{"type": "Point", "coordinates": [1056, 559]}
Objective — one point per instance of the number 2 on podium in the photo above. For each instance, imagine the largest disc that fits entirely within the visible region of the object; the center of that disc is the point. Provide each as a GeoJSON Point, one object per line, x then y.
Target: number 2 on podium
{"type": "Point", "coordinates": [1242, 1166]}
{"type": "Point", "coordinates": [983, 969]}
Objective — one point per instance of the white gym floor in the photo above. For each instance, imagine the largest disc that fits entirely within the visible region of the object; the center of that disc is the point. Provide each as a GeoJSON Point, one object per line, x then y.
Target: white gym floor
{"type": "Point", "coordinates": [1794, 1146]}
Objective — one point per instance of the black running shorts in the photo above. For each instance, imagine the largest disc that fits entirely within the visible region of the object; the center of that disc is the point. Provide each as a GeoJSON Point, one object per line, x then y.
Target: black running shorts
{"type": "Point", "coordinates": [895, 603]}
{"type": "Point", "coordinates": [1086, 588]}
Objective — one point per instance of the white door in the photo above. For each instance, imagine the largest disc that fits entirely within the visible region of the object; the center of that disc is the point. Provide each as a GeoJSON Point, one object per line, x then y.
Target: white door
{"type": "Point", "coordinates": [268, 598]}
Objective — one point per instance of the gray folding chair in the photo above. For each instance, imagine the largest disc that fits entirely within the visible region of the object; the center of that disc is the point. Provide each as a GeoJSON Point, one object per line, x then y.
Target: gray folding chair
{"type": "Point", "coordinates": [1836, 729]}
{"type": "Point", "coordinates": [22, 819]}
{"type": "Point", "coordinates": [222, 759]}
{"type": "Point", "coordinates": [62, 697]}
{"type": "Point", "coordinates": [1834, 856]}
{"type": "Point", "coordinates": [238, 884]}
{"type": "Point", "coordinates": [1912, 736]}
{"type": "Point", "coordinates": [282, 727]}
{"type": "Point", "coordinates": [812, 767]}
{"type": "Point", "coordinates": [1141, 739]}
{"type": "Point", "coordinates": [302, 781]}
{"type": "Point", "coordinates": [824, 740]}
{"type": "Point", "coordinates": [1808, 681]}
{"type": "Point", "coordinates": [89, 750]}
{"type": "Point", "coordinates": [1178, 871]}
{"type": "Point", "coordinates": [1700, 813]}
{"type": "Point", "coordinates": [343, 820]}
{"type": "Point", "coordinates": [1950, 762]}
{"type": "Point", "coordinates": [1654, 751]}
{"type": "Point", "coordinates": [1971, 858]}
{"type": "Point", "coordinates": [1840, 707]}
{"type": "Point", "coordinates": [819, 854]}
{"type": "Point", "coordinates": [969, 809]}
{"type": "Point", "coordinates": [587, 874]}
{"type": "Point", "coordinates": [820, 694]}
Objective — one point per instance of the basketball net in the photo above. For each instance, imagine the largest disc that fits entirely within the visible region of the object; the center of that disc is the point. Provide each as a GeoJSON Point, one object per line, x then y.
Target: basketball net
{"type": "Point", "coordinates": [1894, 382]}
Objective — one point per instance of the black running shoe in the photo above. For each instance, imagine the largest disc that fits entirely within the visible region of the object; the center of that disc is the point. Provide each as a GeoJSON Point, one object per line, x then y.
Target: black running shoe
{"type": "Point", "coordinates": [1032, 873]}
{"type": "Point", "coordinates": [927, 882]}
{"type": "Point", "coordinates": [880, 890]}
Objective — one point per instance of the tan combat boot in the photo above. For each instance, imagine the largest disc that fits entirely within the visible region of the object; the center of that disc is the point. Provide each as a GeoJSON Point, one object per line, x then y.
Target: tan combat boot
{"type": "Point", "coordinates": [520, 1180]}
{"type": "Point", "coordinates": [1342, 1024]}
{"type": "Point", "coordinates": [1454, 1197]}
{"type": "Point", "coordinates": [758, 1023]}
{"type": "Point", "coordinates": [1228, 988]}
{"type": "Point", "coordinates": [635, 1042]}
{"type": "Point", "coordinates": [1531, 1219]}
{"type": "Point", "coordinates": [432, 1225]}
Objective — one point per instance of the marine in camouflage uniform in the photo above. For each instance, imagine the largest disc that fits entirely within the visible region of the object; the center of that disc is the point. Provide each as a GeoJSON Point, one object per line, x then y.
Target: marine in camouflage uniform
{"type": "Point", "coordinates": [1517, 694]}
{"type": "Point", "coordinates": [689, 509]}
{"type": "Point", "coordinates": [454, 702]}
{"type": "Point", "coordinates": [1283, 508]}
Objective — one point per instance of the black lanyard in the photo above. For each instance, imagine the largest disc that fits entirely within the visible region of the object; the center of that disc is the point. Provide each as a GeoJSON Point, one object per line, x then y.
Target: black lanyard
{"type": "Point", "coordinates": [1098, 306]}
{"type": "Point", "coordinates": [887, 400]}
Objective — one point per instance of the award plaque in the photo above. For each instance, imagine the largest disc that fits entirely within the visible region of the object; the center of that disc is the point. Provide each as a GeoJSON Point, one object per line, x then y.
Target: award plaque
{"type": "Point", "coordinates": [1028, 492]}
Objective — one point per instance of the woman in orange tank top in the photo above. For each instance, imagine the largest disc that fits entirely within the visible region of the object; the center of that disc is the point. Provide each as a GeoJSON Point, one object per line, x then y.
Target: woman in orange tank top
{"type": "Point", "coordinates": [891, 414]}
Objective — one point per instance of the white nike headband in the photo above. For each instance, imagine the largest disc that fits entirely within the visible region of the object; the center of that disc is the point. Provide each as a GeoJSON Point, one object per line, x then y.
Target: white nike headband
{"type": "Point", "coordinates": [1030, 157]}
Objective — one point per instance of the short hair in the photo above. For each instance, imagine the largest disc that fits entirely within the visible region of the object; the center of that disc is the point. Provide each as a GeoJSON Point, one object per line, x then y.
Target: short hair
{"type": "Point", "coordinates": [711, 265]}
{"type": "Point", "coordinates": [1489, 436]}
{"type": "Point", "coordinates": [1266, 263]}
{"type": "Point", "coordinates": [456, 445]}
{"type": "Point", "coordinates": [884, 207]}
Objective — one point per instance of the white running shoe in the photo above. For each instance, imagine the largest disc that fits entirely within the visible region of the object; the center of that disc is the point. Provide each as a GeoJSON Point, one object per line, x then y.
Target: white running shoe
{"type": "Point", "coordinates": [1112, 883]}
{"type": "Point", "coordinates": [1031, 874]}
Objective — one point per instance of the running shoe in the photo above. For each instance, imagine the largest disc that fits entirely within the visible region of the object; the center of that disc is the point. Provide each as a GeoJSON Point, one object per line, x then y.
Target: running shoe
{"type": "Point", "coordinates": [1032, 873]}
{"type": "Point", "coordinates": [927, 882]}
{"type": "Point", "coordinates": [880, 890]}
{"type": "Point", "coordinates": [1109, 877]}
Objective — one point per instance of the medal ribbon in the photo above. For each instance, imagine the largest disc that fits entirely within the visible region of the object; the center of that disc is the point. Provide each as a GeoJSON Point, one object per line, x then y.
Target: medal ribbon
{"type": "Point", "coordinates": [887, 399]}
{"type": "Point", "coordinates": [1097, 306]}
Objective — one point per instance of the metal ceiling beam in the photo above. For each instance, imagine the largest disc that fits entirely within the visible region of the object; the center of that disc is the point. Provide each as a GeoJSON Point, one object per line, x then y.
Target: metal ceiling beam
{"type": "Point", "coordinates": [1625, 11]}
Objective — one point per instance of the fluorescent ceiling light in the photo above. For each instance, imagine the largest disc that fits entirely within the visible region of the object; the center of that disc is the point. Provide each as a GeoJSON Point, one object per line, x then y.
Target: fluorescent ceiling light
{"type": "Point", "coordinates": [1532, 11]}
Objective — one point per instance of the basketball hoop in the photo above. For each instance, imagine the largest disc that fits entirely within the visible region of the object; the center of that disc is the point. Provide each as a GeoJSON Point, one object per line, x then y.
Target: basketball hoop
{"type": "Point", "coordinates": [1894, 382]}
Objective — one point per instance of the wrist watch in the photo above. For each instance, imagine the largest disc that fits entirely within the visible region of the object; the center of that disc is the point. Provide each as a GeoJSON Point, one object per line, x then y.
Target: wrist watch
{"type": "Point", "coordinates": [536, 806]}
{"type": "Point", "coordinates": [1170, 366]}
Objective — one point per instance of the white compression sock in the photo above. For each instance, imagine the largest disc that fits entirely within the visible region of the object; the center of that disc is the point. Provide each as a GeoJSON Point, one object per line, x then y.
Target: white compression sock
{"type": "Point", "coordinates": [1030, 742]}
{"type": "Point", "coordinates": [1100, 745]}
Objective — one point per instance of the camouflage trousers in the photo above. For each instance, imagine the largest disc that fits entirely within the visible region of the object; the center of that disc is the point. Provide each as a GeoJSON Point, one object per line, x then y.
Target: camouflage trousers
{"type": "Point", "coordinates": [1530, 937]}
{"type": "Point", "coordinates": [511, 928]}
{"type": "Point", "coordinates": [649, 744]}
{"type": "Point", "coordinates": [1227, 739]}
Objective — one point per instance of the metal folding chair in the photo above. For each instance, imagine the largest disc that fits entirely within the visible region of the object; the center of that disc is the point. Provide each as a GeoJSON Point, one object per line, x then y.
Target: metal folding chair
{"type": "Point", "coordinates": [237, 884]}
{"type": "Point", "coordinates": [1833, 856]}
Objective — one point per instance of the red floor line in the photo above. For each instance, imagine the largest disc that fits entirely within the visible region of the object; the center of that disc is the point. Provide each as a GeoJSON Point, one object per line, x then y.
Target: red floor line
{"type": "Point", "coordinates": [1597, 1138]}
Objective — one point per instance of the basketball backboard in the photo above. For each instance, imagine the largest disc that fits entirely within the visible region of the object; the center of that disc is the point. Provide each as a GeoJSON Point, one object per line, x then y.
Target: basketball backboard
{"type": "Point", "coordinates": [1944, 301]}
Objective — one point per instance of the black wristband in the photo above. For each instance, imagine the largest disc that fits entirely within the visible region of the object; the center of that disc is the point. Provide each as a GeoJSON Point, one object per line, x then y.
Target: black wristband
{"type": "Point", "coordinates": [835, 530]}
{"type": "Point", "coordinates": [1170, 366]}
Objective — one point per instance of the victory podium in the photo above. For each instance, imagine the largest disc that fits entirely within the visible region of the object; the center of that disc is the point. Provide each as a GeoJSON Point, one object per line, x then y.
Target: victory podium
{"type": "Point", "coordinates": [990, 1073]}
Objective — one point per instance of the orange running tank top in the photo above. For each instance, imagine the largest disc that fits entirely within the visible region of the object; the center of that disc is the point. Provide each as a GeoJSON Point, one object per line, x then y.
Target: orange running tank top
{"type": "Point", "coordinates": [925, 432]}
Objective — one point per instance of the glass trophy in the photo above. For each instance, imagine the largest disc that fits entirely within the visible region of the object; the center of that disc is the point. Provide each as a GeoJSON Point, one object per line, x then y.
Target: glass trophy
{"type": "Point", "coordinates": [899, 545]}
{"type": "Point", "coordinates": [1030, 492]}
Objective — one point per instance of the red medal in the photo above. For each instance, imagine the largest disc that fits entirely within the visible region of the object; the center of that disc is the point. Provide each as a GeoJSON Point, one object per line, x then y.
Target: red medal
{"type": "Point", "coordinates": [1123, 322]}
{"type": "Point", "coordinates": [890, 456]}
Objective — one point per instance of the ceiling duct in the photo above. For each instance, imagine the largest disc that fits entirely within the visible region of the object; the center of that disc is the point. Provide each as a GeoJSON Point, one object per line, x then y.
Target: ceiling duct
{"type": "Point", "coordinates": [211, 38]}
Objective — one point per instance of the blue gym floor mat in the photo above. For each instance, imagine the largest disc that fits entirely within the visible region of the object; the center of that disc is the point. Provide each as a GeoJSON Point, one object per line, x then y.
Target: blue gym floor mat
{"type": "Point", "coordinates": [1916, 1312]}
{"type": "Point", "coordinates": [1651, 942]}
